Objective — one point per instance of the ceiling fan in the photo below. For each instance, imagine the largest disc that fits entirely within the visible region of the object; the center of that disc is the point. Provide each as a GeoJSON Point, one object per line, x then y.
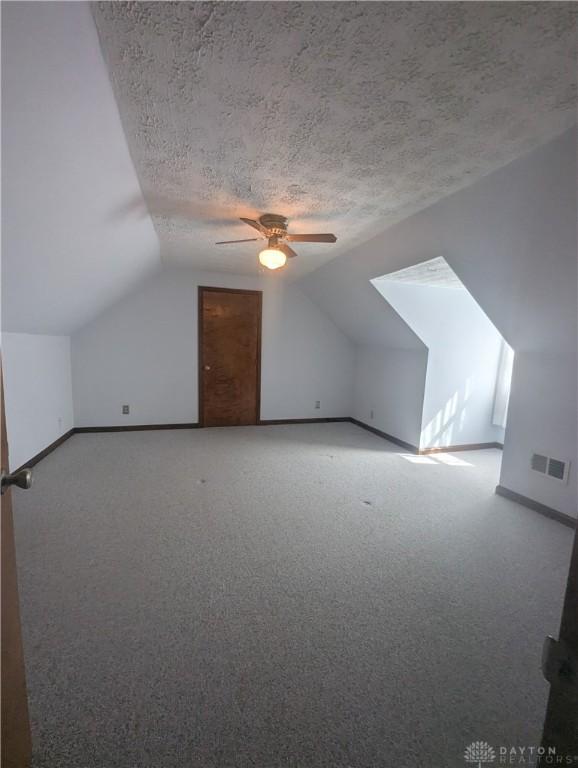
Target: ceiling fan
{"type": "Point", "coordinates": [273, 228]}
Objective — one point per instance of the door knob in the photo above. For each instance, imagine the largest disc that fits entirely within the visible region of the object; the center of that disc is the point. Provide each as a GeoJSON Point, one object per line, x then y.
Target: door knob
{"type": "Point", "coordinates": [207, 367]}
{"type": "Point", "coordinates": [22, 479]}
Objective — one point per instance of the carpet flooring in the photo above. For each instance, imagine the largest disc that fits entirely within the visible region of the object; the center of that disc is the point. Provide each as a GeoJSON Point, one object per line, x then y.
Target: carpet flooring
{"type": "Point", "coordinates": [286, 596]}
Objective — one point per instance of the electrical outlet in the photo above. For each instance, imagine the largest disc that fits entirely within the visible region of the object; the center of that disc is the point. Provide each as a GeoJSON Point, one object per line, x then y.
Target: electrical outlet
{"type": "Point", "coordinates": [318, 404]}
{"type": "Point", "coordinates": [125, 410]}
{"type": "Point", "coordinates": [371, 414]}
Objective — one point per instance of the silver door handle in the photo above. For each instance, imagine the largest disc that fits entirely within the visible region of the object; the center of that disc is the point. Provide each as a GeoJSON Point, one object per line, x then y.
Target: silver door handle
{"type": "Point", "coordinates": [207, 367]}
{"type": "Point", "coordinates": [22, 479]}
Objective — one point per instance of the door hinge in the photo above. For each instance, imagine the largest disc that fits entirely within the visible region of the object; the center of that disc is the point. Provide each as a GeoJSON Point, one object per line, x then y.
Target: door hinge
{"type": "Point", "coordinates": [559, 663]}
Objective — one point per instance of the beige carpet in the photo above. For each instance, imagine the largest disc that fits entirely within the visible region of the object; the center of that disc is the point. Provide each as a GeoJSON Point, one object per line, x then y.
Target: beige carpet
{"type": "Point", "coordinates": [279, 596]}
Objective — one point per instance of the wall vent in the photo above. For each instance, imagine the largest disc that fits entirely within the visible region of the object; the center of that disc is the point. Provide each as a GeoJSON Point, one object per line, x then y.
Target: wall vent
{"type": "Point", "coordinates": [539, 463]}
{"type": "Point", "coordinates": [556, 469]}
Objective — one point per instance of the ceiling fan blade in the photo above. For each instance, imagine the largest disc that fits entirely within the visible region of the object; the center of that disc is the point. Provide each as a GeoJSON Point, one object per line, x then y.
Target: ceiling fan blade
{"type": "Point", "coordinates": [249, 240]}
{"type": "Point", "coordinates": [325, 238]}
{"type": "Point", "coordinates": [175, 209]}
{"type": "Point", "coordinates": [255, 224]}
{"type": "Point", "coordinates": [289, 252]}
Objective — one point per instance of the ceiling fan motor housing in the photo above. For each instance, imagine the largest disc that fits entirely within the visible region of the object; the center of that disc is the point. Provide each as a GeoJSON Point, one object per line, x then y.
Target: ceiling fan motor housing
{"type": "Point", "coordinates": [276, 225]}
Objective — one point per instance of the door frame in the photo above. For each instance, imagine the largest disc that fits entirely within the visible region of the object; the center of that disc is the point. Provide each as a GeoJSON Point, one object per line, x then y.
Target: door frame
{"type": "Point", "coordinates": [562, 708]}
{"type": "Point", "coordinates": [200, 362]}
{"type": "Point", "coordinates": [16, 746]}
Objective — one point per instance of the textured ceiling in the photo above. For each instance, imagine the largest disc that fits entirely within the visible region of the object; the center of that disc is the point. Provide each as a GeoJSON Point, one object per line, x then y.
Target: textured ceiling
{"type": "Point", "coordinates": [345, 117]}
{"type": "Point", "coordinates": [434, 273]}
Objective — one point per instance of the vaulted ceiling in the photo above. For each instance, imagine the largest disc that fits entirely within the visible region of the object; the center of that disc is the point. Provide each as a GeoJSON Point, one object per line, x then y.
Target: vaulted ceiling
{"type": "Point", "coordinates": [66, 169]}
{"type": "Point", "coordinates": [345, 117]}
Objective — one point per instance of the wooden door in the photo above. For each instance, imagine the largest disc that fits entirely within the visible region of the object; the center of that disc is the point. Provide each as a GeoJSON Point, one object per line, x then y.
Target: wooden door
{"type": "Point", "coordinates": [561, 724]}
{"type": "Point", "coordinates": [229, 356]}
{"type": "Point", "coordinates": [16, 744]}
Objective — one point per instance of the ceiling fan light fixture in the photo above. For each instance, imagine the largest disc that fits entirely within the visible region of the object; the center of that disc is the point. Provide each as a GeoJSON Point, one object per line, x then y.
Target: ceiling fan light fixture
{"type": "Point", "coordinates": [273, 228]}
{"type": "Point", "coordinates": [272, 258]}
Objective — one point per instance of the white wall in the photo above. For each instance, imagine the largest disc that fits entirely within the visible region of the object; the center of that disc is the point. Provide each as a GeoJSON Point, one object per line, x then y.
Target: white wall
{"type": "Point", "coordinates": [511, 239]}
{"type": "Point", "coordinates": [143, 352]}
{"type": "Point", "coordinates": [390, 383]}
{"type": "Point", "coordinates": [464, 353]}
{"type": "Point", "coordinates": [37, 392]}
{"type": "Point", "coordinates": [76, 234]}
{"type": "Point", "coordinates": [542, 418]}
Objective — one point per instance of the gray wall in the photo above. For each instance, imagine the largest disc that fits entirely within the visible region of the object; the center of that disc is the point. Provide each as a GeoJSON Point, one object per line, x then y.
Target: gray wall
{"type": "Point", "coordinates": [75, 232]}
{"type": "Point", "coordinates": [389, 383]}
{"type": "Point", "coordinates": [143, 352]}
{"type": "Point", "coordinates": [37, 392]}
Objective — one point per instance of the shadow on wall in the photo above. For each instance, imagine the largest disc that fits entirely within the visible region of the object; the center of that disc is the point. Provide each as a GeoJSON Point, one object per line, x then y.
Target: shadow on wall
{"type": "Point", "coordinates": [469, 363]}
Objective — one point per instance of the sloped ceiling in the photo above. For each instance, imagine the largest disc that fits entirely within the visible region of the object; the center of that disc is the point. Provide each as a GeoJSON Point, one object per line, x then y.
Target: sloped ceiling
{"type": "Point", "coordinates": [346, 117]}
{"type": "Point", "coordinates": [510, 238]}
{"type": "Point", "coordinates": [66, 169]}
